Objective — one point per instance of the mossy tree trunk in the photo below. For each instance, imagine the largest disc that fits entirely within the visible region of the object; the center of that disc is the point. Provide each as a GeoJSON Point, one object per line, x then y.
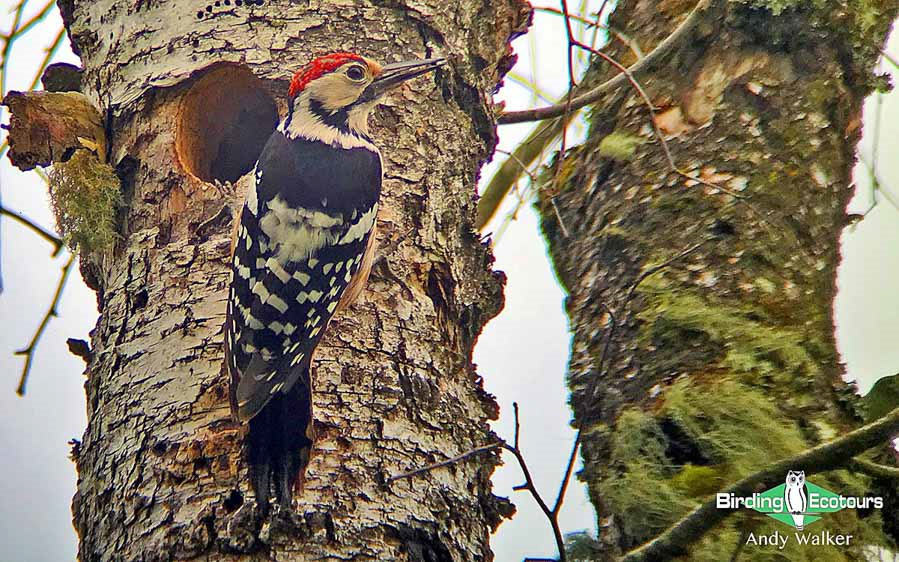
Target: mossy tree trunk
{"type": "Point", "coordinates": [160, 474]}
{"type": "Point", "coordinates": [703, 331]}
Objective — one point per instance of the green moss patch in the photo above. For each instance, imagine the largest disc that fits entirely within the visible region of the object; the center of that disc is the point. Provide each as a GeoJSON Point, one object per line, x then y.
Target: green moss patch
{"type": "Point", "coordinates": [750, 342]}
{"type": "Point", "coordinates": [733, 430]}
{"type": "Point", "coordinates": [619, 145]}
{"type": "Point", "coordinates": [85, 195]}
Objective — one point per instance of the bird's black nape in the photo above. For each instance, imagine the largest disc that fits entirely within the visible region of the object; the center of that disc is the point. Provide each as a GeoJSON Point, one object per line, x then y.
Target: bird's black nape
{"type": "Point", "coordinates": [278, 446]}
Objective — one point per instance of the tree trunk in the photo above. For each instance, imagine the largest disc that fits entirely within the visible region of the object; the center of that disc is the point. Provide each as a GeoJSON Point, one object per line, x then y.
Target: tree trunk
{"type": "Point", "coordinates": [190, 92]}
{"type": "Point", "coordinates": [703, 334]}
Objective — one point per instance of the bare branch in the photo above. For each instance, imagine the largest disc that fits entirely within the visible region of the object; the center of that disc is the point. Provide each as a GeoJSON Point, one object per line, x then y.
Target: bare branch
{"type": "Point", "coordinates": [53, 239]}
{"type": "Point", "coordinates": [552, 200]}
{"type": "Point", "coordinates": [563, 487]}
{"type": "Point", "coordinates": [510, 171]}
{"type": "Point", "coordinates": [552, 188]}
{"type": "Point", "coordinates": [655, 269]}
{"type": "Point", "coordinates": [889, 58]}
{"type": "Point", "coordinates": [625, 39]}
{"type": "Point", "coordinates": [552, 515]}
{"type": "Point", "coordinates": [532, 488]}
{"type": "Point", "coordinates": [543, 136]}
{"type": "Point", "coordinates": [674, 40]}
{"type": "Point", "coordinates": [48, 54]}
{"type": "Point", "coordinates": [829, 456]}
{"type": "Point", "coordinates": [447, 462]}
{"type": "Point", "coordinates": [28, 352]}
{"type": "Point", "coordinates": [874, 469]}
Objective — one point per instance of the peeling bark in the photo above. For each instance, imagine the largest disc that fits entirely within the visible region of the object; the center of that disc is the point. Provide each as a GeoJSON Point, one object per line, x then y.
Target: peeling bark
{"type": "Point", "coordinates": [678, 352]}
{"type": "Point", "coordinates": [160, 474]}
{"type": "Point", "coordinates": [47, 127]}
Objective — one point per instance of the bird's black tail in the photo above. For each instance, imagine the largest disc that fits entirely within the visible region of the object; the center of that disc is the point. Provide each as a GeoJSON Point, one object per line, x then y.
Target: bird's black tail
{"type": "Point", "coordinates": [279, 444]}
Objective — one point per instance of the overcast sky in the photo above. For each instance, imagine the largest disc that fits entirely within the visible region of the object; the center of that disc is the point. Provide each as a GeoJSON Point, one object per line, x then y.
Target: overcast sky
{"type": "Point", "coordinates": [522, 354]}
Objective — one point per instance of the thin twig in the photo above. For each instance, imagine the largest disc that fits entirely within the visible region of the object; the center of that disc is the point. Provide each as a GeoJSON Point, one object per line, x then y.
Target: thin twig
{"type": "Point", "coordinates": [664, 143]}
{"type": "Point", "coordinates": [8, 40]}
{"type": "Point", "coordinates": [28, 352]}
{"type": "Point", "coordinates": [34, 20]}
{"type": "Point", "coordinates": [552, 201]}
{"type": "Point", "coordinates": [602, 8]}
{"type": "Point", "coordinates": [889, 58]}
{"type": "Point", "coordinates": [552, 515]}
{"type": "Point", "coordinates": [529, 150]}
{"type": "Point", "coordinates": [646, 63]}
{"type": "Point", "coordinates": [53, 239]}
{"type": "Point", "coordinates": [569, 468]}
{"type": "Point", "coordinates": [874, 469]}
{"type": "Point", "coordinates": [829, 456]}
{"type": "Point", "coordinates": [523, 196]}
{"type": "Point", "coordinates": [530, 85]}
{"type": "Point", "coordinates": [517, 425]}
{"type": "Point", "coordinates": [655, 126]}
{"type": "Point", "coordinates": [625, 39]}
{"type": "Point", "coordinates": [514, 157]}
{"type": "Point", "coordinates": [532, 488]}
{"type": "Point", "coordinates": [48, 54]}
{"type": "Point", "coordinates": [447, 462]}
{"type": "Point", "coordinates": [656, 268]}
{"type": "Point", "coordinates": [552, 188]}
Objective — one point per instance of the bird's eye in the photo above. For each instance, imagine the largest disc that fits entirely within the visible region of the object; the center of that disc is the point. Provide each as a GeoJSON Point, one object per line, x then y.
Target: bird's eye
{"type": "Point", "coordinates": [355, 72]}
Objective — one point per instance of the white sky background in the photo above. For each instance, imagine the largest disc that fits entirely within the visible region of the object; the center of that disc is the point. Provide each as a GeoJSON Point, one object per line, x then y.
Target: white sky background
{"type": "Point", "coordinates": [522, 354]}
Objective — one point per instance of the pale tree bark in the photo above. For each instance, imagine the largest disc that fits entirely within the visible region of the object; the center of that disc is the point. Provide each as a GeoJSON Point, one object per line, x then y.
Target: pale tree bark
{"type": "Point", "coordinates": [703, 333]}
{"type": "Point", "coordinates": [160, 474]}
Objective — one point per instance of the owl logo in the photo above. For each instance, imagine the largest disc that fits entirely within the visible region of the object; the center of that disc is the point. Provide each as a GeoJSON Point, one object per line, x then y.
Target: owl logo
{"type": "Point", "coordinates": [794, 497]}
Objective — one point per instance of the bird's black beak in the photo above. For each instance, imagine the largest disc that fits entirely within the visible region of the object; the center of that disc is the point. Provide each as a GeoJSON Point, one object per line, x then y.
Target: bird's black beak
{"type": "Point", "coordinates": [392, 75]}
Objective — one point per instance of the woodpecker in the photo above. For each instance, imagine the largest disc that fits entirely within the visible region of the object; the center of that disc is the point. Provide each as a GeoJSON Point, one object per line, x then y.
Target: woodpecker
{"type": "Point", "coordinates": [302, 251]}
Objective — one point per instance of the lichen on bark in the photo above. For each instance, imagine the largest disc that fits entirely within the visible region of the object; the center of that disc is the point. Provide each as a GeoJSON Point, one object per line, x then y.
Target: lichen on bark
{"type": "Point", "coordinates": [697, 309]}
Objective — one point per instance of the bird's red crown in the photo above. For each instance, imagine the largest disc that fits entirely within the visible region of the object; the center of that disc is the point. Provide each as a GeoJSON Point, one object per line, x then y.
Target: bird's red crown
{"type": "Point", "coordinates": [318, 67]}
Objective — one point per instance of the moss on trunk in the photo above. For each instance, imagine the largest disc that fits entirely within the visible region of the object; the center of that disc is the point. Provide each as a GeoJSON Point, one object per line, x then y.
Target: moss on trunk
{"type": "Point", "coordinates": [703, 332]}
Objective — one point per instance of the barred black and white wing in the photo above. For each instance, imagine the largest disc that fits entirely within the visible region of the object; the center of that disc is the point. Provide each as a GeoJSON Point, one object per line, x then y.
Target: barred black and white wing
{"type": "Point", "coordinates": [300, 242]}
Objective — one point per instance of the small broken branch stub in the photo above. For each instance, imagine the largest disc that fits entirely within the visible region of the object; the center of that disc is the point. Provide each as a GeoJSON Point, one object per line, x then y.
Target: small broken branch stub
{"type": "Point", "coordinates": [46, 127]}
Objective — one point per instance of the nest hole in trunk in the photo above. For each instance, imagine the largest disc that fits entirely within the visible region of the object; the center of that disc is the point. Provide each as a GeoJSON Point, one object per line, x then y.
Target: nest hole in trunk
{"type": "Point", "coordinates": [224, 120]}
